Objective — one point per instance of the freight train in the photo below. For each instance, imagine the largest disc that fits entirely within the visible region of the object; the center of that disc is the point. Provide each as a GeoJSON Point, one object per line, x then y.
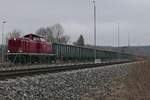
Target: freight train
{"type": "Point", "coordinates": [34, 49]}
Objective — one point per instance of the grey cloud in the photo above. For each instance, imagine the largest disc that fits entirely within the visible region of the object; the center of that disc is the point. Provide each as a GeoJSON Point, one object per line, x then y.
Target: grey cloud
{"type": "Point", "coordinates": [77, 18]}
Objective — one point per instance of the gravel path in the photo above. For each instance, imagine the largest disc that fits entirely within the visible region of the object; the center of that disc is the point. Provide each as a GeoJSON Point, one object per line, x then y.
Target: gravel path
{"type": "Point", "coordinates": [71, 85]}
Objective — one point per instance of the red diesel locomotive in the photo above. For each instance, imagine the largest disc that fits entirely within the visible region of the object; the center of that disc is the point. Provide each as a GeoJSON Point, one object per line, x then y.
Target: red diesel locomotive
{"type": "Point", "coordinates": [27, 47]}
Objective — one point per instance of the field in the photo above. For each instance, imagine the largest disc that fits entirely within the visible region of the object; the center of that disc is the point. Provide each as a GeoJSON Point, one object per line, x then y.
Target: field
{"type": "Point", "coordinates": [136, 86]}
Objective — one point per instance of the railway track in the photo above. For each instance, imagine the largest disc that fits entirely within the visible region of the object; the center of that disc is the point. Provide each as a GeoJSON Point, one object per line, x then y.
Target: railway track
{"type": "Point", "coordinates": [7, 74]}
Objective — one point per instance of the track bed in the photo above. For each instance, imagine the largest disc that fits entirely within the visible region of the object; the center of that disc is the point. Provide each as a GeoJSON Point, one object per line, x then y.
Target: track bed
{"type": "Point", "coordinates": [7, 74]}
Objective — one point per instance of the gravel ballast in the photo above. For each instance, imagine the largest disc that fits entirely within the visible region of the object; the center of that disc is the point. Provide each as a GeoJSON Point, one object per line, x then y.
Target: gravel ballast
{"type": "Point", "coordinates": [71, 85]}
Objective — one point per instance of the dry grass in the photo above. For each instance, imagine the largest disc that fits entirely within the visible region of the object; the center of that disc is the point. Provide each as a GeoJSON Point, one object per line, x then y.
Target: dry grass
{"type": "Point", "coordinates": [137, 84]}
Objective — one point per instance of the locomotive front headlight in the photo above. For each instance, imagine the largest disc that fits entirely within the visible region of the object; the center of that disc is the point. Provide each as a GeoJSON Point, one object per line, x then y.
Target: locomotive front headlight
{"type": "Point", "coordinates": [8, 51]}
{"type": "Point", "coordinates": [15, 39]}
{"type": "Point", "coordinates": [20, 51]}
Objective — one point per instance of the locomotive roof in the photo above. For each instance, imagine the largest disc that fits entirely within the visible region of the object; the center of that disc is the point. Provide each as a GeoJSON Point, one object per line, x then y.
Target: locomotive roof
{"type": "Point", "coordinates": [33, 35]}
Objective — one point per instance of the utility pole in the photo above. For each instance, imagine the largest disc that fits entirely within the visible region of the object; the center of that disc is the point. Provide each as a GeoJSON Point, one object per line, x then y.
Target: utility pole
{"type": "Point", "coordinates": [128, 40]}
{"type": "Point", "coordinates": [3, 23]}
{"type": "Point", "coordinates": [118, 41]}
{"type": "Point", "coordinates": [118, 35]}
{"type": "Point", "coordinates": [94, 5]}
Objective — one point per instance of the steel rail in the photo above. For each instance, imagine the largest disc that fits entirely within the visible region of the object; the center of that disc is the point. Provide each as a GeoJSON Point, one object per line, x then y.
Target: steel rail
{"type": "Point", "coordinates": [7, 74]}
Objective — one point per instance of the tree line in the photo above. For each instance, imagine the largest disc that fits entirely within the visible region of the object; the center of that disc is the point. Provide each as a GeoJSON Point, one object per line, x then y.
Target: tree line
{"type": "Point", "coordinates": [55, 34]}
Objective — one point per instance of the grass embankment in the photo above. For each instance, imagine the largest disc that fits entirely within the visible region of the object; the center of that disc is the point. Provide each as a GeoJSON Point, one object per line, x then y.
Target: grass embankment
{"type": "Point", "coordinates": [136, 86]}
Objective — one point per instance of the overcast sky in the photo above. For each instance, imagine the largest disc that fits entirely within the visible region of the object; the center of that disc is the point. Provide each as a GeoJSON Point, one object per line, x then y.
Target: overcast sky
{"type": "Point", "coordinates": [76, 16]}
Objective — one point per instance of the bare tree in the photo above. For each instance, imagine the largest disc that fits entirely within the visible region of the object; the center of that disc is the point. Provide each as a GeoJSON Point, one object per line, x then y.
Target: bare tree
{"type": "Point", "coordinates": [50, 37]}
{"type": "Point", "coordinates": [54, 34]}
{"type": "Point", "coordinates": [65, 39]}
{"type": "Point", "coordinates": [58, 31]}
{"type": "Point", "coordinates": [46, 33]}
{"type": "Point", "coordinates": [42, 32]}
{"type": "Point", "coordinates": [15, 33]}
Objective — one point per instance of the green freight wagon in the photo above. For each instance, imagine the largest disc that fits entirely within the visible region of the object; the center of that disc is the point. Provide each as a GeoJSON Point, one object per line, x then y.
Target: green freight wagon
{"type": "Point", "coordinates": [70, 52]}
